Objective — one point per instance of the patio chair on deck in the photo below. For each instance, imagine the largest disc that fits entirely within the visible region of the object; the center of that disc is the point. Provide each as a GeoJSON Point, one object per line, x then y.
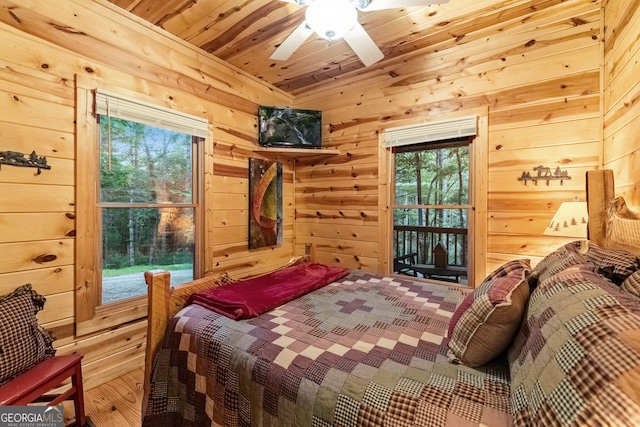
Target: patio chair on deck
{"type": "Point", "coordinates": [402, 264]}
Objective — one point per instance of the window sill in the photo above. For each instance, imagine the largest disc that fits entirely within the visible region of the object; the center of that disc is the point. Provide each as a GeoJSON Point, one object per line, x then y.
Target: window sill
{"type": "Point", "coordinates": [114, 314]}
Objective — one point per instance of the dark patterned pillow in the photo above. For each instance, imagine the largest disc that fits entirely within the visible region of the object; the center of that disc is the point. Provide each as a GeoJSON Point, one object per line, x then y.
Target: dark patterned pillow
{"type": "Point", "coordinates": [632, 284]}
{"type": "Point", "coordinates": [558, 260]}
{"type": "Point", "coordinates": [616, 265]}
{"type": "Point", "coordinates": [577, 271]}
{"type": "Point", "coordinates": [507, 268]}
{"type": "Point", "coordinates": [484, 324]}
{"type": "Point", "coordinates": [23, 342]}
{"type": "Point", "coordinates": [511, 267]}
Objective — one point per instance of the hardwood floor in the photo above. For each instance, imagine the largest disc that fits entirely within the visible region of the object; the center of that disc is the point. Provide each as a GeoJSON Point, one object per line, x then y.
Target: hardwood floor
{"type": "Point", "coordinates": [113, 404]}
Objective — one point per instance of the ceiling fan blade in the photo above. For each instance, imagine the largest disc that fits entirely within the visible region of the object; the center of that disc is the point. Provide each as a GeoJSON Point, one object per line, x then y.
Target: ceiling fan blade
{"type": "Point", "coordinates": [395, 4]}
{"type": "Point", "coordinates": [291, 43]}
{"type": "Point", "coordinates": [363, 45]}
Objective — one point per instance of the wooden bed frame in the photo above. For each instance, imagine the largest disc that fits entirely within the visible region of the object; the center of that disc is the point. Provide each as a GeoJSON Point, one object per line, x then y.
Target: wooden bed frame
{"type": "Point", "coordinates": [165, 301]}
{"type": "Point", "coordinates": [611, 223]}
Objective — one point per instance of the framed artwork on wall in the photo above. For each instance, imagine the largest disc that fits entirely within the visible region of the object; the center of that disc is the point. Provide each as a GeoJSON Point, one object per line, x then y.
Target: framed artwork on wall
{"type": "Point", "coordinates": [265, 203]}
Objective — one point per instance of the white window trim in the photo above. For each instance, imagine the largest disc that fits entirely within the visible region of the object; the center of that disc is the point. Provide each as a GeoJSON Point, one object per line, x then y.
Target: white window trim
{"type": "Point", "coordinates": [478, 196]}
{"type": "Point", "coordinates": [90, 316]}
{"type": "Point", "coordinates": [432, 131]}
{"type": "Point", "coordinates": [109, 104]}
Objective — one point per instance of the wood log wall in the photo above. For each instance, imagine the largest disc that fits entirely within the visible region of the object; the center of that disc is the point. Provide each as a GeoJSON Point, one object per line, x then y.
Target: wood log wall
{"type": "Point", "coordinates": [537, 74]}
{"type": "Point", "coordinates": [47, 46]}
{"type": "Point", "coordinates": [535, 77]}
{"type": "Point", "coordinates": [621, 95]}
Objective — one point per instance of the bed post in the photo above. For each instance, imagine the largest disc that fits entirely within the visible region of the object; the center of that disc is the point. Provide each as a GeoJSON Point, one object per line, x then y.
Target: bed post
{"type": "Point", "coordinates": [600, 192]}
{"type": "Point", "coordinates": [159, 293]}
{"type": "Point", "coordinates": [310, 251]}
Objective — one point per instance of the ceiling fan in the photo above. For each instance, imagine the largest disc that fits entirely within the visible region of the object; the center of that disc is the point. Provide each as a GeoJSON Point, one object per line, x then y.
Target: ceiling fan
{"type": "Point", "coordinates": [333, 19]}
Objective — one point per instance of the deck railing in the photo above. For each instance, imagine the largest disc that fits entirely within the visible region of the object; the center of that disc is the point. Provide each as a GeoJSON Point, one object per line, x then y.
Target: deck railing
{"type": "Point", "coordinates": [422, 240]}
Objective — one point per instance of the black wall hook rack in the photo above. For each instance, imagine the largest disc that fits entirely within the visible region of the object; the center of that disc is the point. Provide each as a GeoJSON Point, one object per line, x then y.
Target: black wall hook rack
{"type": "Point", "coordinates": [544, 173]}
{"type": "Point", "coordinates": [15, 158]}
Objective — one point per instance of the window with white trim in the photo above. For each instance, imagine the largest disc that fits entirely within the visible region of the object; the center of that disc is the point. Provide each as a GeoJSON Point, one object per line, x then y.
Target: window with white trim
{"type": "Point", "coordinates": [431, 205]}
{"type": "Point", "coordinates": [143, 200]}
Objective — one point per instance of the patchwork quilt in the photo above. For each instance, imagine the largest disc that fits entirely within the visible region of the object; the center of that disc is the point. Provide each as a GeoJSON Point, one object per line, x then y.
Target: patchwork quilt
{"type": "Point", "coordinates": [576, 358]}
{"type": "Point", "coordinates": [363, 351]}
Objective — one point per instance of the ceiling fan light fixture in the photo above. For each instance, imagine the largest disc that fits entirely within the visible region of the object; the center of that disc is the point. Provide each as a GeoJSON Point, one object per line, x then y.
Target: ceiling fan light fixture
{"type": "Point", "coordinates": [360, 4]}
{"type": "Point", "coordinates": [331, 19]}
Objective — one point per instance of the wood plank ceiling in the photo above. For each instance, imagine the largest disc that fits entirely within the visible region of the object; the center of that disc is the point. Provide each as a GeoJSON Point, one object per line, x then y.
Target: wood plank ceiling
{"type": "Point", "coordinates": [246, 32]}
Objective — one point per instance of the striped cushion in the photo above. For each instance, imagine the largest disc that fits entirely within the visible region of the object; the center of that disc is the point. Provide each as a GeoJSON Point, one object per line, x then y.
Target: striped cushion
{"type": "Point", "coordinates": [484, 324]}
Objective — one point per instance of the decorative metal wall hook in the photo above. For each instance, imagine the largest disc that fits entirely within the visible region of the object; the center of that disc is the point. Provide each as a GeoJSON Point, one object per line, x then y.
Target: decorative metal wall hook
{"type": "Point", "coordinates": [543, 173]}
{"type": "Point", "coordinates": [15, 158]}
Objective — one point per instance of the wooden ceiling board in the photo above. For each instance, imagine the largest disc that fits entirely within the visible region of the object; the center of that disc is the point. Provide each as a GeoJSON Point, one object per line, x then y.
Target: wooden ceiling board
{"type": "Point", "coordinates": [245, 33]}
{"type": "Point", "coordinates": [207, 18]}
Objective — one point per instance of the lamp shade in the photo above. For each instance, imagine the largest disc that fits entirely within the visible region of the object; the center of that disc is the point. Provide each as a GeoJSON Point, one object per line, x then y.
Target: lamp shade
{"type": "Point", "coordinates": [569, 221]}
{"type": "Point", "coordinates": [330, 19]}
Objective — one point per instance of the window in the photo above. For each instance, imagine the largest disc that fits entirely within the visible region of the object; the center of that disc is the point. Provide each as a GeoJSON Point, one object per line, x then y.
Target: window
{"type": "Point", "coordinates": [146, 206]}
{"type": "Point", "coordinates": [431, 202]}
{"type": "Point", "coordinates": [431, 209]}
{"type": "Point", "coordinates": [138, 196]}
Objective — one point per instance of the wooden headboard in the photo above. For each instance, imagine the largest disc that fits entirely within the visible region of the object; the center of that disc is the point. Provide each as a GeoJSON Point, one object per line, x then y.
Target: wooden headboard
{"type": "Point", "coordinates": [611, 223]}
{"type": "Point", "coordinates": [600, 192]}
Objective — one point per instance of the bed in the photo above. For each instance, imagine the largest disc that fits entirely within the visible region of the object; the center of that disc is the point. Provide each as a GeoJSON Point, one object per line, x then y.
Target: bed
{"type": "Point", "coordinates": [367, 350]}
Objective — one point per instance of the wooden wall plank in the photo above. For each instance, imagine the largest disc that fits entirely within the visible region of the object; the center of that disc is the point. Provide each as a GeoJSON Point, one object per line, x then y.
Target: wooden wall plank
{"type": "Point", "coordinates": [62, 171]}
{"type": "Point", "coordinates": [50, 143]}
{"type": "Point", "coordinates": [22, 227]}
{"type": "Point", "coordinates": [57, 307]}
{"type": "Point", "coordinates": [35, 255]}
{"type": "Point", "coordinates": [620, 95]}
{"type": "Point", "coordinates": [46, 281]}
{"type": "Point", "coordinates": [37, 197]}
{"type": "Point", "coordinates": [25, 110]}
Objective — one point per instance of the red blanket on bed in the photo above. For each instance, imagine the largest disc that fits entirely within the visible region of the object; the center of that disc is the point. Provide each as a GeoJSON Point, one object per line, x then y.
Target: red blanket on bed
{"type": "Point", "coordinates": [250, 297]}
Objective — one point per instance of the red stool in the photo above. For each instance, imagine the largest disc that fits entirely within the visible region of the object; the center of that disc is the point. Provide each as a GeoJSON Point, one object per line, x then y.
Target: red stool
{"type": "Point", "coordinates": [33, 384]}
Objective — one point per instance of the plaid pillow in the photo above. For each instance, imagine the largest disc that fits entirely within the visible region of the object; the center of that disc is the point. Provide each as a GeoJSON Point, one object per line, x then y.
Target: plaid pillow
{"type": "Point", "coordinates": [515, 266]}
{"type": "Point", "coordinates": [484, 325]}
{"type": "Point", "coordinates": [614, 264]}
{"type": "Point", "coordinates": [632, 284]}
{"type": "Point", "coordinates": [558, 260]}
{"type": "Point", "coordinates": [577, 271]}
{"type": "Point", "coordinates": [23, 342]}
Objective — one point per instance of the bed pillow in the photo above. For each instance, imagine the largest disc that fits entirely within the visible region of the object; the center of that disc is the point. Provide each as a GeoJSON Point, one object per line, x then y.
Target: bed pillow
{"type": "Point", "coordinates": [563, 257]}
{"type": "Point", "coordinates": [23, 342]}
{"type": "Point", "coordinates": [484, 324]}
{"type": "Point", "coordinates": [632, 284]}
{"type": "Point", "coordinates": [616, 265]}
{"type": "Point", "coordinates": [510, 267]}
